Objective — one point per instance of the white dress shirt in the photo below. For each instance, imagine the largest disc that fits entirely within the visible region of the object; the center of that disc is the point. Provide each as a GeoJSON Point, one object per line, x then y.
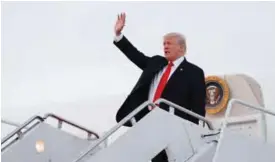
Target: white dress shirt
{"type": "Point", "coordinates": [158, 76]}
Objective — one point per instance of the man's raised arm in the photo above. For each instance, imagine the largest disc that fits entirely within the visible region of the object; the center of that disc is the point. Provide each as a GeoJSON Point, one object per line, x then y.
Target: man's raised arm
{"type": "Point", "coordinates": [126, 46]}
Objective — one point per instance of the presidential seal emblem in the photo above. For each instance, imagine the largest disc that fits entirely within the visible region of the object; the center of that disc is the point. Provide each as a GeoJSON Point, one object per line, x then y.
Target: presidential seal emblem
{"type": "Point", "coordinates": [217, 94]}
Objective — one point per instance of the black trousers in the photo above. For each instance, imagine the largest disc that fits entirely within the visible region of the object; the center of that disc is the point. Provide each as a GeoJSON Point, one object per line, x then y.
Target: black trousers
{"type": "Point", "coordinates": [161, 157]}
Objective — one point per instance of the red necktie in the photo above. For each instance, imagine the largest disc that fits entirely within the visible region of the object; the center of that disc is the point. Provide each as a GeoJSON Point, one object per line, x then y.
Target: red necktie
{"type": "Point", "coordinates": [163, 82]}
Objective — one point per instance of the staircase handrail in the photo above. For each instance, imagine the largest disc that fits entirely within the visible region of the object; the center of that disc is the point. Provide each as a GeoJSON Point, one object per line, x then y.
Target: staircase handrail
{"type": "Point", "coordinates": [61, 120]}
{"type": "Point", "coordinates": [129, 117]}
{"type": "Point", "coordinates": [18, 129]}
{"type": "Point", "coordinates": [208, 122]}
{"type": "Point", "coordinates": [227, 113]}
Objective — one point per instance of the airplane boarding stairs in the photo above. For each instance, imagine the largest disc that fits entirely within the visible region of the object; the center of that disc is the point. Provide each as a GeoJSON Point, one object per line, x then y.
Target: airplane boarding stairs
{"type": "Point", "coordinates": [36, 135]}
{"type": "Point", "coordinates": [183, 141]}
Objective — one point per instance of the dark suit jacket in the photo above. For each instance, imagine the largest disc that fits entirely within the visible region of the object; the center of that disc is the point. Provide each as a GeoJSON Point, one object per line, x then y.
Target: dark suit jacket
{"type": "Point", "coordinates": [186, 87]}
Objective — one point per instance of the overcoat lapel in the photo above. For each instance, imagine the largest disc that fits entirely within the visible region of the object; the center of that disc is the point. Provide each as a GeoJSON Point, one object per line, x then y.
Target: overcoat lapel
{"type": "Point", "coordinates": [178, 74]}
{"type": "Point", "coordinates": [150, 72]}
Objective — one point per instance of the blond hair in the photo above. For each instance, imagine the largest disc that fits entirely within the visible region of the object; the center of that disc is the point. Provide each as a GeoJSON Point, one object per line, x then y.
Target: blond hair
{"type": "Point", "coordinates": [180, 38]}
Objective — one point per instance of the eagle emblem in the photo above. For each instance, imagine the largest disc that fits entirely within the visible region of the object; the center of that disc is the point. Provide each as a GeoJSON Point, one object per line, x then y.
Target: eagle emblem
{"type": "Point", "coordinates": [217, 94]}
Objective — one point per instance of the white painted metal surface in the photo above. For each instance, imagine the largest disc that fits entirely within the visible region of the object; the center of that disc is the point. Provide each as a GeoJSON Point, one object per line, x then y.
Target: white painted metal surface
{"type": "Point", "coordinates": [183, 141]}
{"type": "Point", "coordinates": [57, 146]}
{"type": "Point", "coordinates": [242, 134]}
{"type": "Point", "coordinates": [241, 148]}
{"type": "Point", "coordinates": [151, 135]}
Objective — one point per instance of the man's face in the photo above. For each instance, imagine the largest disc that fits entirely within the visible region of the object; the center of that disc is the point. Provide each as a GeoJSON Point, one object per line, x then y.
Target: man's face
{"type": "Point", "coordinates": [172, 49]}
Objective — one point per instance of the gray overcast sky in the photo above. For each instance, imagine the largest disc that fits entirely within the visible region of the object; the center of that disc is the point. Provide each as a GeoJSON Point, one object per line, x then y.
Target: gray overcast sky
{"type": "Point", "coordinates": [59, 56]}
